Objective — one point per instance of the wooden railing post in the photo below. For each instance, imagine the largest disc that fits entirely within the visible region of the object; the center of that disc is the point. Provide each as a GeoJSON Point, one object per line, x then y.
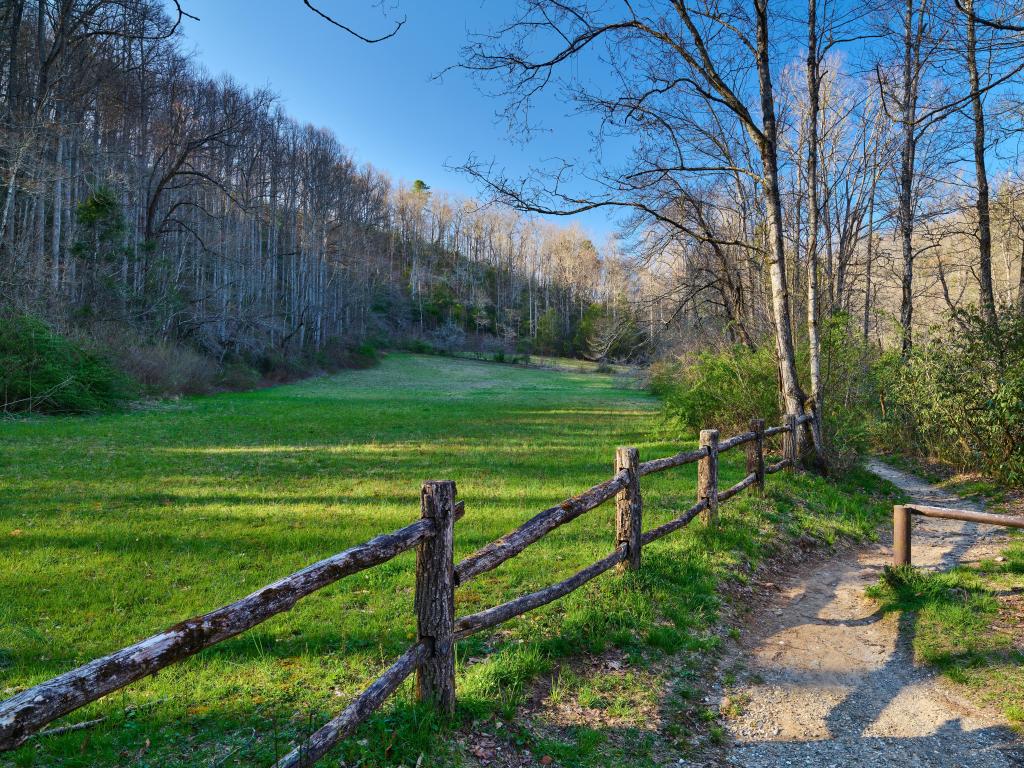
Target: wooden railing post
{"type": "Point", "coordinates": [629, 508]}
{"type": "Point", "coordinates": [435, 597]}
{"type": "Point", "coordinates": [791, 441]}
{"type": "Point", "coordinates": [707, 475]}
{"type": "Point", "coordinates": [755, 454]}
{"type": "Point", "coordinates": [901, 528]}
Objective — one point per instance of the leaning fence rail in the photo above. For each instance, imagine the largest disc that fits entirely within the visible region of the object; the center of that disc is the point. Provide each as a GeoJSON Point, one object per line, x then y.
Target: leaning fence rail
{"type": "Point", "coordinates": [432, 656]}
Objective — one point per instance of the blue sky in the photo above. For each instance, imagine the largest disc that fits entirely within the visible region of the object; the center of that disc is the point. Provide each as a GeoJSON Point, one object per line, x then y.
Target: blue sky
{"type": "Point", "coordinates": [381, 100]}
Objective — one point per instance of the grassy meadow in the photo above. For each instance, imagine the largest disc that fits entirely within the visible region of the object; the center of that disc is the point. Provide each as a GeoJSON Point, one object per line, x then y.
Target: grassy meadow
{"type": "Point", "coordinates": [114, 527]}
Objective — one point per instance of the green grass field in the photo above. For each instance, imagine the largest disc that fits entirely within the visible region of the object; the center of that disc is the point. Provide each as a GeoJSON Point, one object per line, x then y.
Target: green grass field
{"type": "Point", "coordinates": [113, 527]}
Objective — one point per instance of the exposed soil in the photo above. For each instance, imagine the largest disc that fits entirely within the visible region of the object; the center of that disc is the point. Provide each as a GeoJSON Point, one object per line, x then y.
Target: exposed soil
{"type": "Point", "coordinates": [819, 678]}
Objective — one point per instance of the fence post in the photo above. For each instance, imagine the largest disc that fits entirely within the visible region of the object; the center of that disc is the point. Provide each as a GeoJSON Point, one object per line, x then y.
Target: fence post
{"type": "Point", "coordinates": [755, 454]}
{"type": "Point", "coordinates": [791, 441]}
{"type": "Point", "coordinates": [435, 597]}
{"type": "Point", "coordinates": [629, 508]}
{"type": "Point", "coordinates": [901, 527]}
{"type": "Point", "coordinates": [707, 475]}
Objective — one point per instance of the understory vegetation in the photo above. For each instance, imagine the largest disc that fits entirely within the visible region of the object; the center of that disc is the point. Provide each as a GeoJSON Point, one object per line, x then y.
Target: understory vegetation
{"type": "Point", "coordinates": [125, 523]}
{"type": "Point", "coordinates": [40, 370]}
{"type": "Point", "coordinates": [957, 398]}
{"type": "Point", "coordinates": [960, 398]}
{"type": "Point", "coordinates": [45, 371]}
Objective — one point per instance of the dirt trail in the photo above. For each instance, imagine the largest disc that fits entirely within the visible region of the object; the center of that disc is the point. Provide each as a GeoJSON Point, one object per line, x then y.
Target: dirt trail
{"type": "Point", "coordinates": [822, 680]}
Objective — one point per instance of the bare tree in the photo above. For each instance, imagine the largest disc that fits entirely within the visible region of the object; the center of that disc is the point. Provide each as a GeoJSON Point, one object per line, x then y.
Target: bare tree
{"type": "Point", "coordinates": [693, 62]}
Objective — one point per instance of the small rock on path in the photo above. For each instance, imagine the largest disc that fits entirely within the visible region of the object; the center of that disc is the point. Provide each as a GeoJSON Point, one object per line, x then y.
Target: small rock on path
{"type": "Point", "coordinates": [826, 681]}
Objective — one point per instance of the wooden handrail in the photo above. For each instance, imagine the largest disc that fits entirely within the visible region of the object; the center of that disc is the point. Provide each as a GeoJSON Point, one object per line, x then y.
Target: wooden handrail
{"type": "Point", "coordinates": [674, 525]}
{"type": "Point", "coordinates": [365, 704]}
{"type": "Point", "coordinates": [902, 529]}
{"type": "Point", "coordinates": [740, 439]}
{"type": "Point", "coordinates": [499, 614]}
{"type": "Point", "coordinates": [678, 460]}
{"type": "Point", "coordinates": [743, 484]}
{"type": "Point", "coordinates": [511, 544]}
{"type": "Point", "coordinates": [966, 515]}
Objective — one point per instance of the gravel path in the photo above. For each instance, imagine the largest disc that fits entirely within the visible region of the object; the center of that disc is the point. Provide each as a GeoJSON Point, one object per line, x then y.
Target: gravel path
{"type": "Point", "coordinates": [822, 680]}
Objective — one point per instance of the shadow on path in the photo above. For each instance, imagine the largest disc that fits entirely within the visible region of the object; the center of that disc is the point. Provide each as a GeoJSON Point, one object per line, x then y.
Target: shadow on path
{"type": "Point", "coordinates": [832, 685]}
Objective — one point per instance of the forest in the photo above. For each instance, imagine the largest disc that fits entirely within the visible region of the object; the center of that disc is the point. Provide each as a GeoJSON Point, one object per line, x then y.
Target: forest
{"type": "Point", "coordinates": [145, 203]}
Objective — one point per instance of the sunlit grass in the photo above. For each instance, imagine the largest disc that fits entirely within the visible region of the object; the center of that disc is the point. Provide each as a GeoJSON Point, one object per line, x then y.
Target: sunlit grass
{"type": "Point", "coordinates": [113, 527]}
{"type": "Point", "coordinates": [955, 621]}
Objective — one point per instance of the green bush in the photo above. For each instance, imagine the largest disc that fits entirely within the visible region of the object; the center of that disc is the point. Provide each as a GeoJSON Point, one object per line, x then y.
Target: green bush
{"type": "Point", "coordinates": [42, 371]}
{"type": "Point", "coordinates": [723, 390]}
{"type": "Point", "coordinates": [850, 381]}
{"type": "Point", "coordinates": [238, 376]}
{"type": "Point", "coordinates": [727, 389]}
{"type": "Point", "coordinates": [364, 356]}
{"type": "Point", "coordinates": [340, 354]}
{"type": "Point", "coordinates": [960, 398]}
{"type": "Point", "coordinates": [418, 346]}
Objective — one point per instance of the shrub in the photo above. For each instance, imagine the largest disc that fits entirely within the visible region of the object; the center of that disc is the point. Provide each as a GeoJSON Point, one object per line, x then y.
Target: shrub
{"type": "Point", "coordinates": [729, 388]}
{"type": "Point", "coordinates": [418, 346]}
{"type": "Point", "coordinates": [161, 367]}
{"type": "Point", "coordinates": [449, 337]}
{"type": "Point", "coordinates": [339, 354]}
{"type": "Point", "coordinates": [165, 368]}
{"type": "Point", "coordinates": [850, 380]}
{"type": "Point", "coordinates": [364, 356]}
{"type": "Point", "coordinates": [42, 371]}
{"type": "Point", "coordinates": [274, 368]}
{"type": "Point", "coordinates": [960, 398]}
{"type": "Point", "coordinates": [237, 376]}
{"type": "Point", "coordinates": [724, 390]}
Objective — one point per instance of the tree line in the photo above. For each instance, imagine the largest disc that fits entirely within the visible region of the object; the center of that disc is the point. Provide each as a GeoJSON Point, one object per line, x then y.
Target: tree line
{"type": "Point", "coordinates": [141, 193]}
{"type": "Point", "coordinates": [789, 162]}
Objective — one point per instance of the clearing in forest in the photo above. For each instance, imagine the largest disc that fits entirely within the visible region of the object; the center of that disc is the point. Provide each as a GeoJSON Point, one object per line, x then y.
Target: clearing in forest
{"type": "Point", "coordinates": [114, 527]}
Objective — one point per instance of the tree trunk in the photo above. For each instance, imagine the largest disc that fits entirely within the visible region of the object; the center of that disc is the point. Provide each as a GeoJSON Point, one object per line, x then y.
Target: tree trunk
{"type": "Point", "coordinates": [58, 211]}
{"type": "Point", "coordinates": [988, 302]}
{"type": "Point", "coordinates": [906, 185]}
{"type": "Point", "coordinates": [792, 394]}
{"type": "Point", "coordinates": [1020, 280]}
{"type": "Point", "coordinates": [813, 335]}
{"type": "Point", "coordinates": [870, 256]}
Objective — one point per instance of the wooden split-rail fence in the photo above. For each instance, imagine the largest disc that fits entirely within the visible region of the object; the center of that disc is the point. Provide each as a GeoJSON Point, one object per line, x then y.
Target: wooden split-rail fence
{"type": "Point", "coordinates": [432, 657]}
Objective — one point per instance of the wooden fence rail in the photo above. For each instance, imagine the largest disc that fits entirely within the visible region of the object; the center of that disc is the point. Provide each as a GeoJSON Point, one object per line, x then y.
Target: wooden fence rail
{"type": "Point", "coordinates": [432, 657]}
{"type": "Point", "coordinates": [902, 516]}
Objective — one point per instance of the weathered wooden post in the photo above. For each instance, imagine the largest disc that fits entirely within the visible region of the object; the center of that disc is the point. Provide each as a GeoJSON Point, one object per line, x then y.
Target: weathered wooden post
{"type": "Point", "coordinates": [791, 441]}
{"type": "Point", "coordinates": [755, 454]}
{"type": "Point", "coordinates": [707, 475]}
{"type": "Point", "coordinates": [435, 597]}
{"type": "Point", "coordinates": [629, 508]}
{"type": "Point", "coordinates": [901, 527]}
